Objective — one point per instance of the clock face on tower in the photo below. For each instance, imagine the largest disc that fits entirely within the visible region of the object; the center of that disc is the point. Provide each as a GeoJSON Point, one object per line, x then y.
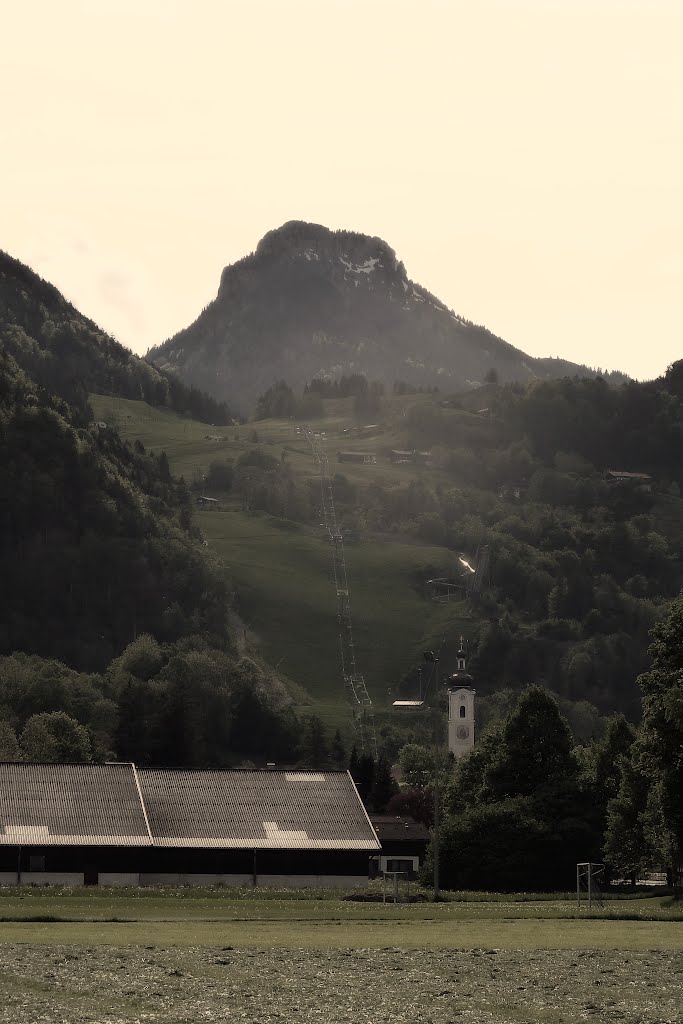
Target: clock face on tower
{"type": "Point", "coordinates": [462, 732]}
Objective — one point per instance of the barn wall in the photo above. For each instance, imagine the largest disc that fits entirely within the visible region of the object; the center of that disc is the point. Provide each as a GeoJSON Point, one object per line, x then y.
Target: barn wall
{"type": "Point", "coordinates": [43, 878]}
{"type": "Point", "coordinates": [115, 878]}
{"type": "Point", "coordinates": [311, 862]}
{"type": "Point", "coordinates": [311, 881]}
{"type": "Point", "coordinates": [74, 866]}
{"type": "Point", "coordinates": [186, 878]}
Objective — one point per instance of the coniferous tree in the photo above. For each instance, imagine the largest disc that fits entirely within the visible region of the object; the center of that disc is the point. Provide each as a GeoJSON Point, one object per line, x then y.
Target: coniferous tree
{"type": "Point", "coordinates": [337, 750]}
{"type": "Point", "coordinates": [627, 846]}
{"type": "Point", "coordinates": [534, 756]}
{"type": "Point", "coordinates": [383, 786]}
{"type": "Point", "coordinates": [314, 747]}
{"type": "Point", "coordinates": [603, 762]}
{"type": "Point", "coordinates": [362, 768]}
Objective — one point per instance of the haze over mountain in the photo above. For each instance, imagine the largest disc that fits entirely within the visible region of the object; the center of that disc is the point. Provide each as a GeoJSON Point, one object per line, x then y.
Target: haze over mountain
{"type": "Point", "coordinates": [310, 302]}
{"type": "Point", "coordinates": [67, 354]}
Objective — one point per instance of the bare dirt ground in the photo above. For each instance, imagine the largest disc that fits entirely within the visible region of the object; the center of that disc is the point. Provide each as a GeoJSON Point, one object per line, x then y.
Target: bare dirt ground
{"type": "Point", "coordinates": [73, 984]}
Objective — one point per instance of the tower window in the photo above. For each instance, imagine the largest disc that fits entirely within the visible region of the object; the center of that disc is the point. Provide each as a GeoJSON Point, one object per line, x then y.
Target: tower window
{"type": "Point", "coordinates": [462, 711]}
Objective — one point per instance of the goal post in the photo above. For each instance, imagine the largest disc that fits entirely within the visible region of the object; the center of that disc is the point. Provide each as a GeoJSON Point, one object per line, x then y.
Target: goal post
{"type": "Point", "coordinates": [588, 878]}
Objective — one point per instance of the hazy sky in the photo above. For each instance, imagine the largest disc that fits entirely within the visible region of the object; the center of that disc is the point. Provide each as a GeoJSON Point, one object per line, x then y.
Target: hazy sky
{"type": "Point", "coordinates": [523, 157]}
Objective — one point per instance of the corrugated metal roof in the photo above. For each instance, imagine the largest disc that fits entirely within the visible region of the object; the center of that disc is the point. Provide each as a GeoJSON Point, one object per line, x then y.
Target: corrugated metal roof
{"type": "Point", "coordinates": [276, 810]}
{"type": "Point", "coordinates": [71, 805]}
{"type": "Point", "coordinates": [117, 805]}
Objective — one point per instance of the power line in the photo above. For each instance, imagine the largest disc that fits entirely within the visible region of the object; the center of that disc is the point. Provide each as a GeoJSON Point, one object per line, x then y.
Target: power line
{"type": "Point", "coordinates": [357, 695]}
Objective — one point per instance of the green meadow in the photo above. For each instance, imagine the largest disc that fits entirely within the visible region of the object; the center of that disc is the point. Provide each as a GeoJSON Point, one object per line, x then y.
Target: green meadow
{"type": "Point", "coordinates": [283, 576]}
{"type": "Point", "coordinates": [191, 445]}
{"type": "Point", "coordinates": [282, 571]}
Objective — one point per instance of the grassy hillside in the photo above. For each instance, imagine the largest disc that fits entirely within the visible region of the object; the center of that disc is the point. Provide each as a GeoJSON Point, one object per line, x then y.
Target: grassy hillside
{"type": "Point", "coordinates": [282, 571]}
{"type": "Point", "coordinates": [191, 446]}
{"type": "Point", "coordinates": [283, 577]}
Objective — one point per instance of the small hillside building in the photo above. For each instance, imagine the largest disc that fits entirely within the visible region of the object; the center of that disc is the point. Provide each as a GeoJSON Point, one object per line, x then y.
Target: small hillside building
{"type": "Point", "coordinates": [364, 458]}
{"type": "Point", "coordinates": [404, 845]}
{"type": "Point", "coordinates": [641, 481]}
{"type": "Point", "coordinates": [115, 824]}
{"type": "Point", "coordinates": [398, 456]}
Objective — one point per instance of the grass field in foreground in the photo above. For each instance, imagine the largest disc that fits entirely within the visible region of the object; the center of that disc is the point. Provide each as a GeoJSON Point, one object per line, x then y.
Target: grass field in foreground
{"type": "Point", "coordinates": [479, 976]}
{"type": "Point", "coordinates": [414, 934]}
{"type": "Point", "coordinates": [221, 905]}
{"type": "Point", "coordinates": [283, 960]}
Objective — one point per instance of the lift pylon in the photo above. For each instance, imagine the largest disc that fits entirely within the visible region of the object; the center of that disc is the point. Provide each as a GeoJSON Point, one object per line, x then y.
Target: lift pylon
{"type": "Point", "coordinates": [357, 696]}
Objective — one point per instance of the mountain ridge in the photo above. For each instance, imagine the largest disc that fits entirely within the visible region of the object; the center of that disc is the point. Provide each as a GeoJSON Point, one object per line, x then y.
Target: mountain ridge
{"type": "Point", "coordinates": [67, 353]}
{"type": "Point", "coordinates": [311, 302]}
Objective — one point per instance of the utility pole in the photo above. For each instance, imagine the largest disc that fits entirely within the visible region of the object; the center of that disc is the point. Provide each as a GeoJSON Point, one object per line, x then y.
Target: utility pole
{"type": "Point", "coordinates": [358, 698]}
{"type": "Point", "coordinates": [435, 841]}
{"type": "Point", "coordinates": [431, 658]}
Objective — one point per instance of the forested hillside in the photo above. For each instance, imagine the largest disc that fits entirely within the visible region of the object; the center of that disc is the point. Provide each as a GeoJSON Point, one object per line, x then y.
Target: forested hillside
{"type": "Point", "coordinates": [65, 352]}
{"type": "Point", "coordinates": [97, 543]}
{"type": "Point", "coordinates": [581, 563]}
{"type": "Point", "coordinates": [572, 486]}
{"type": "Point", "coordinates": [584, 556]}
{"type": "Point", "coordinates": [114, 635]}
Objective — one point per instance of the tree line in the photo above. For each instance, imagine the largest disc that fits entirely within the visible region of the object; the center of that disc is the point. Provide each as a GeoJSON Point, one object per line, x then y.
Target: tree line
{"type": "Point", "coordinates": [527, 804]}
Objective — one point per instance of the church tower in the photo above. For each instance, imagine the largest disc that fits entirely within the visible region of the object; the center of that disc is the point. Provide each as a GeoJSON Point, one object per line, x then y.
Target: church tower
{"type": "Point", "coordinates": [460, 708]}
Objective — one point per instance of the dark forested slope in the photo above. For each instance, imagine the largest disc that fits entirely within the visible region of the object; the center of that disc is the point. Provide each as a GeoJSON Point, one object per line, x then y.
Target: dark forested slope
{"type": "Point", "coordinates": [574, 488]}
{"type": "Point", "coordinates": [96, 540]}
{"type": "Point", "coordinates": [114, 636]}
{"type": "Point", "coordinates": [65, 352]}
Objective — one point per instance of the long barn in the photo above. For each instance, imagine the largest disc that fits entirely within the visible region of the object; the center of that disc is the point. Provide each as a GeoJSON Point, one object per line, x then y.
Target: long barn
{"type": "Point", "coordinates": [115, 824]}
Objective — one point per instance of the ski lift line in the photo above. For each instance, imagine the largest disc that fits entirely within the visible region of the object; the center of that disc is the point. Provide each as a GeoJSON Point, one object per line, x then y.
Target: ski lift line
{"type": "Point", "coordinates": [354, 682]}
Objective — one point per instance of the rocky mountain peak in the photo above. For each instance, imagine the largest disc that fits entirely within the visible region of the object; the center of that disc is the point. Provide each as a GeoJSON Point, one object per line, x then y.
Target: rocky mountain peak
{"type": "Point", "coordinates": [339, 255]}
{"type": "Point", "coordinates": [301, 237]}
{"type": "Point", "coordinates": [312, 302]}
